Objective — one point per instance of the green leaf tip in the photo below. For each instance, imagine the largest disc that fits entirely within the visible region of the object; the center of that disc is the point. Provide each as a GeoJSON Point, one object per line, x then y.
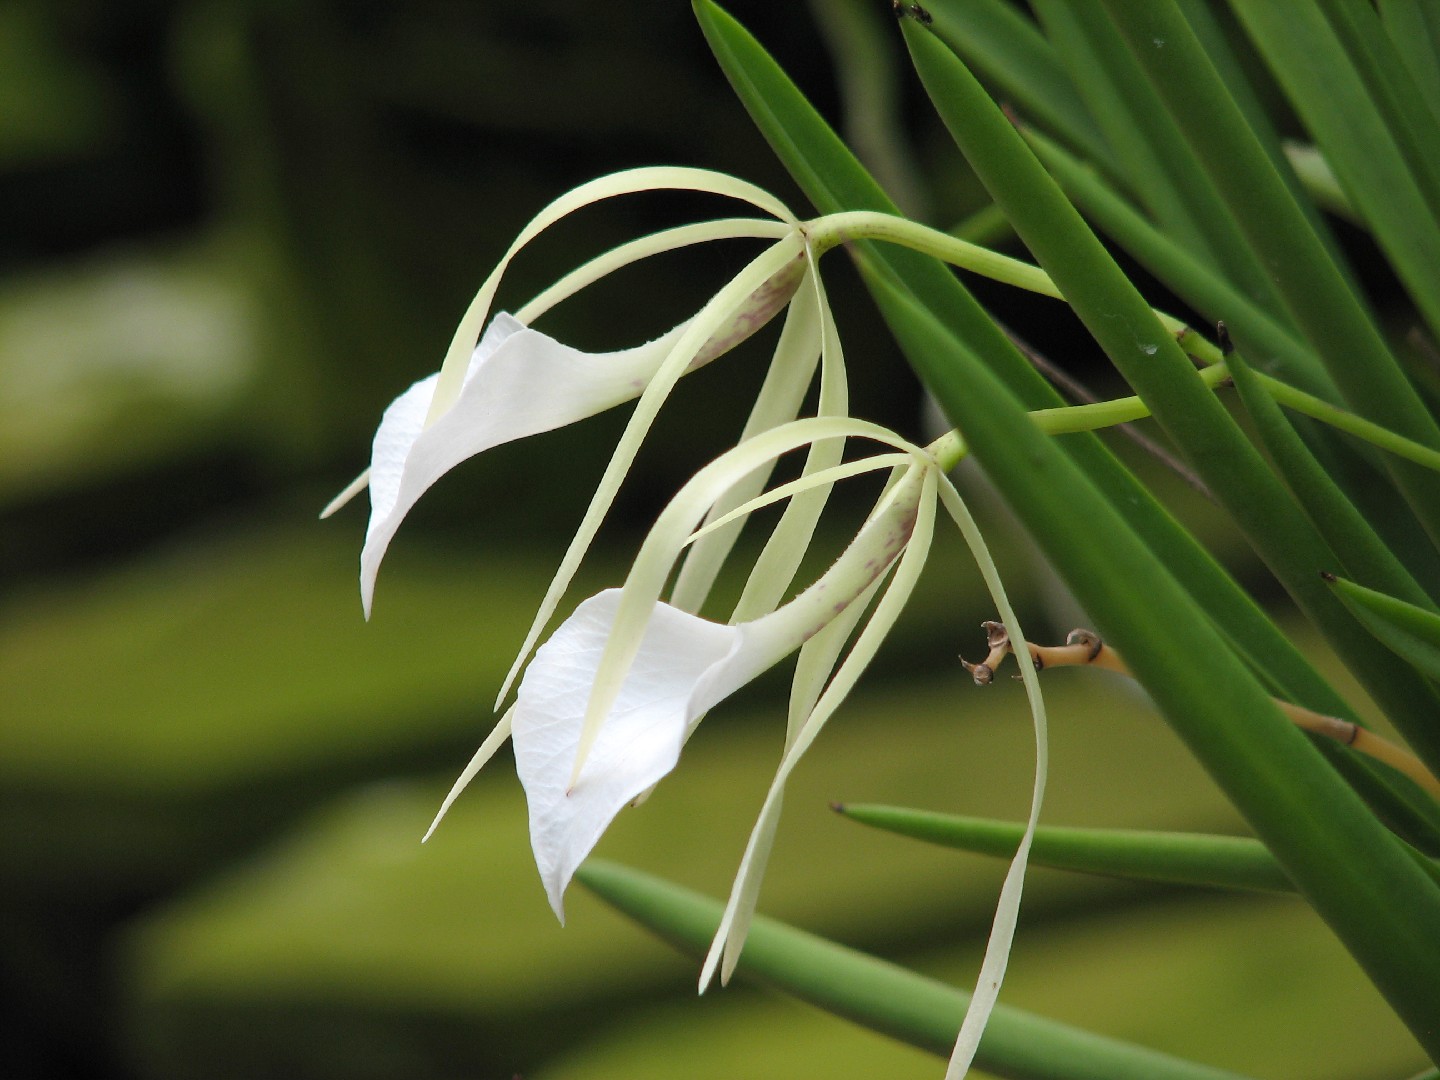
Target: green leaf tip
{"type": "Point", "coordinates": [1223, 862]}
{"type": "Point", "coordinates": [1410, 631]}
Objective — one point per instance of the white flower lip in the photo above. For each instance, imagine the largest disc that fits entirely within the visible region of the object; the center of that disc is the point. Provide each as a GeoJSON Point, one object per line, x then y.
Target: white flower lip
{"type": "Point", "coordinates": [687, 665]}
{"type": "Point", "coordinates": [520, 382]}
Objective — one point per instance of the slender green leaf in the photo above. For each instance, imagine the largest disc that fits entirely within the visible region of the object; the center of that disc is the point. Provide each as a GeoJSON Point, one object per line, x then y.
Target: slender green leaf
{"type": "Point", "coordinates": [1394, 93]}
{"type": "Point", "coordinates": [1367, 485]}
{"type": "Point", "coordinates": [1361, 880]}
{"type": "Point", "coordinates": [1103, 72]}
{"type": "Point", "coordinates": [1147, 355]}
{"type": "Point", "coordinates": [1412, 632]}
{"type": "Point", "coordinates": [1401, 805]}
{"type": "Point", "coordinates": [1222, 862]}
{"type": "Point", "coordinates": [1154, 160]}
{"type": "Point", "coordinates": [1360, 551]}
{"type": "Point", "coordinates": [1333, 317]}
{"type": "Point", "coordinates": [1012, 55]}
{"type": "Point", "coordinates": [1192, 280]}
{"type": "Point", "coordinates": [1414, 28]}
{"type": "Point", "coordinates": [1239, 67]}
{"type": "Point", "coordinates": [1272, 347]}
{"type": "Point", "coordinates": [880, 995]}
{"type": "Point", "coordinates": [1343, 101]}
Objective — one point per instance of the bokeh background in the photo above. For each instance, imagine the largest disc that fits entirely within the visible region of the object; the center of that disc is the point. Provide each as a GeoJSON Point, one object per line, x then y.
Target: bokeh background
{"type": "Point", "coordinates": [230, 232]}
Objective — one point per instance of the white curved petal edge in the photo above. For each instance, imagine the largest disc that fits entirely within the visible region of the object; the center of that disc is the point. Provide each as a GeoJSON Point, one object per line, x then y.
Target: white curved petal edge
{"type": "Point", "coordinates": [685, 666]}
{"type": "Point", "coordinates": [519, 382]}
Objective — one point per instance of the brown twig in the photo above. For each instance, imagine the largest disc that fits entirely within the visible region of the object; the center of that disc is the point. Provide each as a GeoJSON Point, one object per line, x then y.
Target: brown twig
{"type": "Point", "coordinates": [1084, 648]}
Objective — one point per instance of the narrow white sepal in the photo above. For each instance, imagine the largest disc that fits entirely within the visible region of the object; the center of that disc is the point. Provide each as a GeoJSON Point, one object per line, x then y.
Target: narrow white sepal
{"type": "Point", "coordinates": [780, 559]}
{"type": "Point", "coordinates": [359, 484]}
{"type": "Point", "coordinates": [1007, 910]}
{"type": "Point", "coordinates": [914, 549]}
{"type": "Point", "coordinates": [496, 739]}
{"type": "Point", "coordinates": [498, 403]}
{"type": "Point", "coordinates": [781, 395]}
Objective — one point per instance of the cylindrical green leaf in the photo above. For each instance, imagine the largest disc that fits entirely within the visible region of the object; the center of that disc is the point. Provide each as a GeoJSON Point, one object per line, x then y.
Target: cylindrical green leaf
{"type": "Point", "coordinates": [1154, 161]}
{"type": "Point", "coordinates": [880, 995]}
{"type": "Point", "coordinates": [1361, 552]}
{"type": "Point", "coordinates": [1199, 285]}
{"type": "Point", "coordinates": [1413, 632]}
{"type": "Point", "coordinates": [1010, 53]}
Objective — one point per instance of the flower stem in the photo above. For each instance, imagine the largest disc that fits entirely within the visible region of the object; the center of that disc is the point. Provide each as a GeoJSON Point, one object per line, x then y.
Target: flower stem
{"type": "Point", "coordinates": [949, 449]}
{"type": "Point", "coordinates": [835, 229]}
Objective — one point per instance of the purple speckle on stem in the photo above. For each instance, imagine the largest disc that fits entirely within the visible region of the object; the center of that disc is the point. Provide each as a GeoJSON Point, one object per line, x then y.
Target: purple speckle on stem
{"type": "Point", "coordinates": [759, 308]}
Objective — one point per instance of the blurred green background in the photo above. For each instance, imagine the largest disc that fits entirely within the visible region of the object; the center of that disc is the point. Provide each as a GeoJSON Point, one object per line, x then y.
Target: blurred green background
{"type": "Point", "coordinates": [230, 233]}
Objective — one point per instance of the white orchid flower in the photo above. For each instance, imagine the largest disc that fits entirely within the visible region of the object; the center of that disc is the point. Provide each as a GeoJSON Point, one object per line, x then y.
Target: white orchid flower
{"type": "Point", "coordinates": [606, 705]}
{"type": "Point", "coordinates": [608, 701]}
{"type": "Point", "coordinates": [502, 381]}
{"type": "Point", "coordinates": [516, 381]}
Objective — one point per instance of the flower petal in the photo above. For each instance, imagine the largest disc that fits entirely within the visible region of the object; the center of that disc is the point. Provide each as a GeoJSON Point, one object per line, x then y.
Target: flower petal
{"type": "Point", "coordinates": [744, 892]}
{"type": "Point", "coordinates": [1007, 910]}
{"type": "Point", "coordinates": [607, 703]}
{"type": "Point", "coordinates": [685, 665]}
{"type": "Point", "coordinates": [786, 628]}
{"type": "Point", "coordinates": [498, 403]}
{"type": "Point", "coordinates": [791, 370]}
{"type": "Point", "coordinates": [496, 739]}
